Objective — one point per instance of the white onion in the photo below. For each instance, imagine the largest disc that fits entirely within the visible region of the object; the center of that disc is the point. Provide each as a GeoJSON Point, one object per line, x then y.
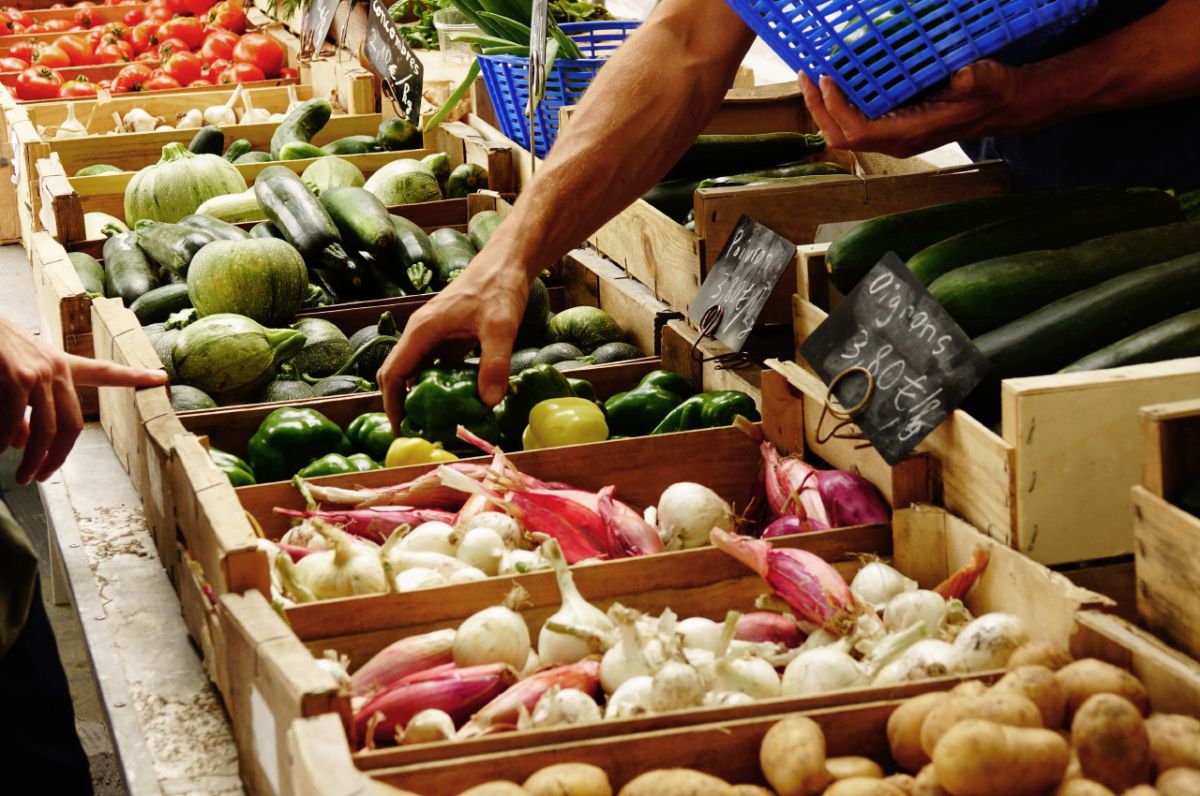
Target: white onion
{"type": "Point", "coordinates": [726, 699]}
{"type": "Point", "coordinates": [676, 686]}
{"type": "Point", "coordinates": [482, 548]}
{"type": "Point", "coordinates": [518, 562]}
{"type": "Point", "coordinates": [401, 560]}
{"type": "Point", "coordinates": [561, 706]}
{"type": "Point", "coordinates": [467, 575]}
{"type": "Point", "coordinates": [507, 528]}
{"type": "Point", "coordinates": [910, 607]}
{"type": "Point", "coordinates": [877, 583]}
{"type": "Point", "coordinates": [631, 699]}
{"type": "Point", "coordinates": [497, 634]}
{"type": "Point", "coordinates": [418, 578]}
{"type": "Point", "coordinates": [347, 570]}
{"type": "Point", "coordinates": [428, 537]}
{"type": "Point", "coordinates": [989, 641]}
{"type": "Point", "coordinates": [591, 629]}
{"type": "Point", "coordinates": [822, 669]}
{"type": "Point", "coordinates": [687, 512]}
{"type": "Point", "coordinates": [700, 633]}
{"type": "Point", "coordinates": [429, 726]}
{"type": "Point", "coordinates": [927, 658]}
{"type": "Point", "coordinates": [750, 675]}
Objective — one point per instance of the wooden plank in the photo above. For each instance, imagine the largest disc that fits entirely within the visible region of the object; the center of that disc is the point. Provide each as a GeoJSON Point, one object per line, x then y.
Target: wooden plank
{"type": "Point", "coordinates": [654, 250]}
{"type": "Point", "coordinates": [684, 352]}
{"type": "Point", "coordinates": [1167, 545]}
{"type": "Point", "coordinates": [1170, 445]}
{"type": "Point", "coordinates": [593, 280]}
{"type": "Point", "coordinates": [321, 764]}
{"type": "Point", "coordinates": [200, 616]}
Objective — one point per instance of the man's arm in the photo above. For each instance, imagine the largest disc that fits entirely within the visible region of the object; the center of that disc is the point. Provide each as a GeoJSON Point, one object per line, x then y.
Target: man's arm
{"type": "Point", "coordinates": [1154, 60]}
{"type": "Point", "coordinates": [641, 113]}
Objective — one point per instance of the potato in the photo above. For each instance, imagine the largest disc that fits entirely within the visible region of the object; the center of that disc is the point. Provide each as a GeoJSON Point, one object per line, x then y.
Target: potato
{"type": "Point", "coordinates": [1082, 787]}
{"type": "Point", "coordinates": [792, 757]}
{"type": "Point", "coordinates": [862, 786]}
{"type": "Point", "coordinates": [497, 788]}
{"type": "Point", "coordinates": [1080, 679]}
{"type": "Point", "coordinates": [1039, 653]}
{"type": "Point", "coordinates": [969, 688]}
{"type": "Point", "coordinates": [926, 783]}
{"type": "Point", "coordinates": [982, 758]}
{"type": "Point", "coordinates": [1039, 685]}
{"type": "Point", "coordinates": [1174, 740]}
{"type": "Point", "coordinates": [1179, 782]}
{"type": "Point", "coordinates": [904, 730]}
{"type": "Point", "coordinates": [750, 790]}
{"type": "Point", "coordinates": [1002, 707]}
{"type": "Point", "coordinates": [903, 782]}
{"type": "Point", "coordinates": [1111, 740]}
{"type": "Point", "coordinates": [676, 782]}
{"type": "Point", "coordinates": [569, 779]}
{"type": "Point", "coordinates": [847, 767]}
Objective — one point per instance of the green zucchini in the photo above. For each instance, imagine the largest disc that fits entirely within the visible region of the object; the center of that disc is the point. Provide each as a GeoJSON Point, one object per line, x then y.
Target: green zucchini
{"type": "Point", "coordinates": [1051, 229]}
{"type": "Point", "coordinates": [786, 171]}
{"type": "Point", "coordinates": [482, 226]}
{"type": "Point", "coordinates": [452, 253]}
{"type": "Point", "coordinates": [673, 198]}
{"type": "Point", "coordinates": [983, 296]}
{"type": "Point", "coordinates": [1174, 338]}
{"type": "Point", "coordinates": [99, 168]}
{"type": "Point", "coordinates": [734, 154]}
{"type": "Point", "coordinates": [172, 246]}
{"type": "Point", "coordinates": [361, 218]}
{"type": "Point", "coordinates": [301, 124]}
{"type": "Point", "coordinates": [89, 271]}
{"type": "Point", "coordinates": [237, 149]}
{"type": "Point", "coordinates": [856, 252]}
{"type": "Point", "coordinates": [352, 145]}
{"type": "Point", "coordinates": [301, 150]}
{"type": "Point", "coordinates": [208, 140]}
{"type": "Point", "coordinates": [220, 230]}
{"type": "Point", "coordinates": [253, 157]}
{"type": "Point", "coordinates": [397, 134]}
{"type": "Point", "coordinates": [236, 208]}
{"type": "Point", "coordinates": [127, 270]}
{"type": "Point", "coordinates": [265, 229]}
{"type": "Point", "coordinates": [156, 305]}
{"type": "Point", "coordinates": [466, 179]}
{"type": "Point", "coordinates": [413, 245]}
{"type": "Point", "coordinates": [439, 164]}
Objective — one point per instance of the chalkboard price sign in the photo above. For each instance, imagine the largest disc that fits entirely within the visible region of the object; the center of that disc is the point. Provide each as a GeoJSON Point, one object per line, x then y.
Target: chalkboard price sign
{"type": "Point", "coordinates": [742, 279]}
{"type": "Point", "coordinates": [921, 364]}
{"type": "Point", "coordinates": [402, 73]}
{"type": "Point", "coordinates": [316, 26]}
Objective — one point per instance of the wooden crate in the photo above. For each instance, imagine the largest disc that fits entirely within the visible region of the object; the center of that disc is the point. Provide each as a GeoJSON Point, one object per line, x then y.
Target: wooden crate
{"type": "Point", "coordinates": [707, 360]}
{"type": "Point", "coordinates": [1167, 549]}
{"type": "Point", "coordinates": [1054, 482]}
{"type": "Point", "coordinates": [64, 307]}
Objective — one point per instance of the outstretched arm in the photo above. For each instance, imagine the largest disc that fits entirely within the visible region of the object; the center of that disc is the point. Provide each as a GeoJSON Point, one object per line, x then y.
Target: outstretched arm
{"type": "Point", "coordinates": [641, 113]}
{"type": "Point", "coordinates": [1154, 60]}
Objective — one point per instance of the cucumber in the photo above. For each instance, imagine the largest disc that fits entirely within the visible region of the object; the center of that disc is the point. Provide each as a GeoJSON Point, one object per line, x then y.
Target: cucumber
{"type": "Point", "coordinates": [253, 157]}
{"type": "Point", "coordinates": [361, 218]}
{"type": "Point", "coordinates": [397, 134]}
{"type": "Point", "coordinates": [466, 179]}
{"type": "Point", "coordinates": [482, 226]}
{"type": "Point", "coordinates": [352, 145]}
{"type": "Point", "coordinates": [265, 229]}
{"type": "Point", "coordinates": [172, 246]}
{"type": "Point", "coordinates": [127, 270]}
{"type": "Point", "coordinates": [156, 305]}
{"type": "Point", "coordinates": [1174, 338]}
{"type": "Point", "coordinates": [439, 164]}
{"type": "Point", "coordinates": [301, 150]}
{"type": "Point", "coordinates": [983, 296]}
{"type": "Point", "coordinates": [220, 230]}
{"type": "Point", "coordinates": [301, 124]}
{"type": "Point", "coordinates": [452, 252]}
{"type": "Point", "coordinates": [99, 168]}
{"type": "Point", "coordinates": [238, 148]}
{"type": "Point", "coordinates": [734, 154]}
{"type": "Point", "coordinates": [208, 140]}
{"type": "Point", "coordinates": [89, 271]}
{"type": "Point", "coordinates": [786, 171]}
{"type": "Point", "coordinates": [906, 233]}
{"type": "Point", "coordinates": [673, 198]}
{"type": "Point", "coordinates": [236, 208]}
{"type": "Point", "coordinates": [1135, 209]}
{"type": "Point", "coordinates": [412, 244]}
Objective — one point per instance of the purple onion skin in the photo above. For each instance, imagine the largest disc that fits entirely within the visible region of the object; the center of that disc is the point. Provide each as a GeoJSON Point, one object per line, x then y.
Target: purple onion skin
{"type": "Point", "coordinates": [790, 524]}
{"type": "Point", "coordinates": [851, 499]}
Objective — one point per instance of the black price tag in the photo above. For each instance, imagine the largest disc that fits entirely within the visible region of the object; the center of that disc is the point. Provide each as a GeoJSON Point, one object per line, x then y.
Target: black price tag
{"type": "Point", "coordinates": [921, 364]}
{"type": "Point", "coordinates": [402, 73]}
{"type": "Point", "coordinates": [316, 26]}
{"type": "Point", "coordinates": [741, 281]}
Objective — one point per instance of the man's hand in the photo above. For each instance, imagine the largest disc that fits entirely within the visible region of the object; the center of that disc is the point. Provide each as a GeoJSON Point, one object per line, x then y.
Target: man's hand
{"type": "Point", "coordinates": [973, 104]}
{"type": "Point", "coordinates": [37, 376]}
{"type": "Point", "coordinates": [485, 304]}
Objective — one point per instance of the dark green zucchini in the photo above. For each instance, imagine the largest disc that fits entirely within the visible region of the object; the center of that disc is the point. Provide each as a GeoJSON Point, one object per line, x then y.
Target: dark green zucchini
{"type": "Point", "coordinates": [452, 252]}
{"type": "Point", "coordinates": [352, 145]}
{"type": "Point", "coordinates": [1174, 338]}
{"type": "Point", "coordinates": [127, 270]}
{"type": "Point", "coordinates": [157, 305]}
{"type": "Point", "coordinates": [237, 149]}
{"type": "Point", "coordinates": [301, 124]}
{"type": "Point", "coordinates": [253, 157]}
{"type": "Point", "coordinates": [89, 271]}
{"type": "Point", "coordinates": [265, 229]}
{"type": "Point", "coordinates": [482, 226]}
{"type": "Point", "coordinates": [361, 218]}
{"type": "Point", "coordinates": [466, 179]}
{"type": "Point", "coordinates": [172, 246]}
{"type": "Point", "coordinates": [673, 198]}
{"type": "Point", "coordinates": [99, 168]}
{"type": "Point", "coordinates": [208, 140]}
{"type": "Point", "coordinates": [301, 150]}
{"type": "Point", "coordinates": [220, 230]}
{"type": "Point", "coordinates": [413, 246]}
{"type": "Point", "coordinates": [785, 172]}
{"type": "Point", "coordinates": [735, 154]}
{"type": "Point", "coordinates": [397, 134]}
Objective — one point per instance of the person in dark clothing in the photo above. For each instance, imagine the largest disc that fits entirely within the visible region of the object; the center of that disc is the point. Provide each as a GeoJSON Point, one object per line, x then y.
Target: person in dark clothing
{"type": "Point", "coordinates": [38, 742]}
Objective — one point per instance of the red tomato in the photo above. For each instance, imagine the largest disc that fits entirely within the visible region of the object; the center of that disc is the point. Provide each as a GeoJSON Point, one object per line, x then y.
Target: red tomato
{"type": "Point", "coordinates": [218, 44]}
{"type": "Point", "coordinates": [212, 72]}
{"type": "Point", "coordinates": [51, 56]}
{"type": "Point", "coordinates": [198, 8]}
{"type": "Point", "coordinates": [6, 23]}
{"type": "Point", "coordinates": [289, 73]}
{"type": "Point", "coordinates": [177, 6]}
{"type": "Point", "coordinates": [158, 11]}
{"type": "Point", "coordinates": [38, 83]}
{"type": "Point", "coordinates": [111, 54]}
{"type": "Point", "coordinates": [133, 16]}
{"type": "Point", "coordinates": [18, 16]}
{"type": "Point", "coordinates": [117, 30]}
{"type": "Point", "coordinates": [113, 2]}
{"type": "Point", "coordinates": [162, 83]}
{"type": "Point", "coordinates": [58, 25]}
{"type": "Point", "coordinates": [149, 57]}
{"type": "Point", "coordinates": [10, 64]}
{"type": "Point", "coordinates": [145, 36]}
{"type": "Point", "coordinates": [58, 6]}
{"type": "Point", "coordinates": [189, 29]}
{"type": "Point", "coordinates": [87, 18]}
{"type": "Point", "coordinates": [132, 78]}
{"type": "Point", "coordinates": [201, 83]}
{"type": "Point", "coordinates": [229, 14]}
{"type": "Point", "coordinates": [168, 46]}
{"type": "Point", "coordinates": [242, 73]}
{"type": "Point", "coordinates": [261, 51]}
{"type": "Point", "coordinates": [36, 27]}
{"type": "Point", "coordinates": [184, 67]}
{"type": "Point", "coordinates": [120, 44]}
{"type": "Point", "coordinates": [77, 49]}
{"type": "Point", "coordinates": [22, 50]}
{"type": "Point", "coordinates": [79, 87]}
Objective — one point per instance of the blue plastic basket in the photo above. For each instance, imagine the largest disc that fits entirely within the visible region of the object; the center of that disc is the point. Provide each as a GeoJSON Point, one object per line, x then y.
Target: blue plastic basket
{"type": "Point", "coordinates": [884, 52]}
{"type": "Point", "coordinates": [507, 81]}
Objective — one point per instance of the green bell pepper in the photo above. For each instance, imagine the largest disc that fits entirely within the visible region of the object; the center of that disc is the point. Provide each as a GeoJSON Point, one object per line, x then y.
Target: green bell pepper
{"type": "Point", "coordinates": [708, 410]}
{"type": "Point", "coordinates": [526, 390]}
{"type": "Point", "coordinates": [290, 438]}
{"type": "Point", "coordinates": [337, 464]}
{"type": "Point", "coordinates": [371, 434]}
{"type": "Point", "coordinates": [639, 411]}
{"type": "Point", "coordinates": [443, 399]}
{"type": "Point", "coordinates": [581, 388]}
{"type": "Point", "coordinates": [237, 471]}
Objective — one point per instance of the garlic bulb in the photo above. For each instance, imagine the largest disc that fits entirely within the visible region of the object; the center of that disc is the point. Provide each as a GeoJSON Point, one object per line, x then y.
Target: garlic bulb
{"type": "Point", "coordinates": [251, 114]}
{"type": "Point", "coordinates": [276, 118]}
{"type": "Point", "coordinates": [191, 120]}
{"type": "Point", "coordinates": [71, 127]}
{"type": "Point", "coordinates": [139, 121]}
{"type": "Point", "coordinates": [163, 128]}
{"type": "Point", "coordinates": [218, 115]}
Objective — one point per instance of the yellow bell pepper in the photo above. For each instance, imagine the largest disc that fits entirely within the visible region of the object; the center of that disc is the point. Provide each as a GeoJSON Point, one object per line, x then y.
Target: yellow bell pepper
{"type": "Point", "coordinates": [414, 450]}
{"type": "Point", "coordinates": [564, 421]}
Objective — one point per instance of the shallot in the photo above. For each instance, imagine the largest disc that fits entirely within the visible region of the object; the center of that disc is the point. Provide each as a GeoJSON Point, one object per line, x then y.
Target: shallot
{"type": "Point", "coordinates": [403, 658]}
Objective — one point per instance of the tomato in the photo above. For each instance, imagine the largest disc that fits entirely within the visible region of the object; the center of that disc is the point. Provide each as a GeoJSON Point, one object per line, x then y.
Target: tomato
{"type": "Point", "coordinates": [77, 49]}
{"type": "Point", "coordinates": [242, 73]}
{"type": "Point", "coordinates": [201, 83]}
{"type": "Point", "coordinates": [58, 6]}
{"type": "Point", "coordinates": [124, 46]}
{"type": "Point", "coordinates": [87, 18]}
{"type": "Point", "coordinates": [162, 82]}
{"type": "Point", "coordinates": [212, 72]}
{"type": "Point", "coordinates": [134, 16]}
{"type": "Point", "coordinates": [145, 36]}
{"type": "Point", "coordinates": [36, 27]}
{"type": "Point", "coordinates": [158, 11]}
{"type": "Point", "coordinates": [79, 87]}
{"type": "Point", "coordinates": [132, 78]}
{"type": "Point", "coordinates": [189, 29]}
{"type": "Point", "coordinates": [111, 54]}
{"type": "Point", "coordinates": [177, 6]}
{"type": "Point", "coordinates": [117, 30]}
{"type": "Point", "coordinates": [261, 51]}
{"type": "Point", "coordinates": [198, 8]}
{"type": "Point", "coordinates": [38, 83]}
{"type": "Point", "coordinates": [10, 64]}
{"type": "Point", "coordinates": [168, 46]}
{"type": "Point", "coordinates": [22, 50]}
{"type": "Point", "coordinates": [19, 16]}
{"type": "Point", "coordinates": [58, 25]}
{"type": "Point", "coordinates": [229, 14]}
{"type": "Point", "coordinates": [148, 57]}
{"type": "Point", "coordinates": [288, 73]}
{"type": "Point", "coordinates": [218, 44]}
{"type": "Point", "coordinates": [184, 67]}
{"type": "Point", "coordinates": [51, 56]}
